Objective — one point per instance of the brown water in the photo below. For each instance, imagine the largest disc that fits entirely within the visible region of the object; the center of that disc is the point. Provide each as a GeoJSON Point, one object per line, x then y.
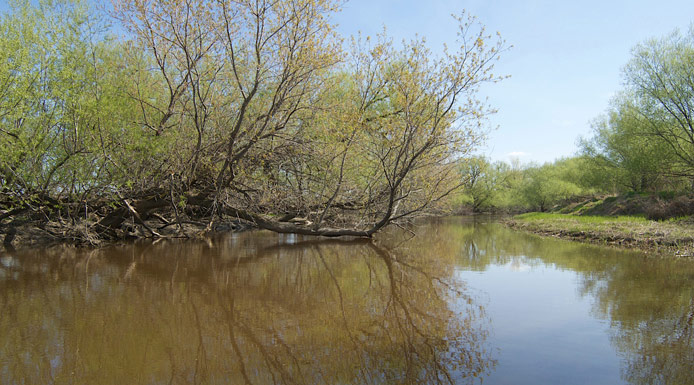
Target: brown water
{"type": "Point", "coordinates": [460, 302]}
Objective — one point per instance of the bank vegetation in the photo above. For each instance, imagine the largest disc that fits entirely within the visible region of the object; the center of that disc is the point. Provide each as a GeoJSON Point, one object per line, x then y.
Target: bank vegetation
{"type": "Point", "coordinates": [166, 118]}
{"type": "Point", "coordinates": [671, 238]}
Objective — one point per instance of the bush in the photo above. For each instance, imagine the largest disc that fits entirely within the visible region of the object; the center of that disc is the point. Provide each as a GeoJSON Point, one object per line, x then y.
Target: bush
{"type": "Point", "coordinates": [610, 199]}
{"type": "Point", "coordinates": [667, 195]}
{"type": "Point", "coordinates": [660, 209]}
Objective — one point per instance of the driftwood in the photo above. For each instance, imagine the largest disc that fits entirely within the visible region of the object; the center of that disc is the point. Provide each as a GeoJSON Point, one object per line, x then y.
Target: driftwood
{"type": "Point", "coordinates": [287, 227]}
{"type": "Point", "coordinates": [137, 217]}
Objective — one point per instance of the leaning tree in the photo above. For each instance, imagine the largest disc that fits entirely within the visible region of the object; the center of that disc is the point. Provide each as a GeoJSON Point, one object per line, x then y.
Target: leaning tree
{"type": "Point", "coordinates": [294, 135]}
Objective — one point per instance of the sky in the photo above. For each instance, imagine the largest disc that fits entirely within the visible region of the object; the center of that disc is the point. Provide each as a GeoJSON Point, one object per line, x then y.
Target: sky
{"type": "Point", "coordinates": [565, 64]}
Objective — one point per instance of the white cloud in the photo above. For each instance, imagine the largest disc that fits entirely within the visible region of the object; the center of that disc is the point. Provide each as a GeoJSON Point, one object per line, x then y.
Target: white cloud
{"type": "Point", "coordinates": [517, 154]}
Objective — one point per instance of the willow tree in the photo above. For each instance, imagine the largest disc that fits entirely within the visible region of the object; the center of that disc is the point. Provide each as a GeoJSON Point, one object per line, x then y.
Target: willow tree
{"type": "Point", "coordinates": [660, 76]}
{"type": "Point", "coordinates": [61, 106]}
{"type": "Point", "coordinates": [36, 96]}
{"type": "Point", "coordinates": [284, 127]}
{"type": "Point", "coordinates": [238, 73]}
{"type": "Point", "coordinates": [622, 147]}
{"type": "Point", "coordinates": [383, 144]}
{"type": "Point", "coordinates": [485, 182]}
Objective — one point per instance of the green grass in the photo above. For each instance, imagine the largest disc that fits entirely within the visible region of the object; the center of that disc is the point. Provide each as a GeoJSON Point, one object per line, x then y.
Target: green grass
{"type": "Point", "coordinates": [582, 218]}
{"type": "Point", "coordinates": [674, 237]}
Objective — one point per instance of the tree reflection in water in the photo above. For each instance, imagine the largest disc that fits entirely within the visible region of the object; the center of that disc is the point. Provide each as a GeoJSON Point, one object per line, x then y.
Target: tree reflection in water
{"type": "Point", "coordinates": [250, 309]}
{"type": "Point", "coordinates": [648, 301]}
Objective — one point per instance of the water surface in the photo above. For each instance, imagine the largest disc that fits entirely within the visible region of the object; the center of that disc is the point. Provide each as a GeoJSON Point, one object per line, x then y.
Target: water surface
{"type": "Point", "coordinates": [462, 301]}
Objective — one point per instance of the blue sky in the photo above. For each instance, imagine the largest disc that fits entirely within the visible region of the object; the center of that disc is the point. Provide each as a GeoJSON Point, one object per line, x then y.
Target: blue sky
{"type": "Point", "coordinates": [565, 63]}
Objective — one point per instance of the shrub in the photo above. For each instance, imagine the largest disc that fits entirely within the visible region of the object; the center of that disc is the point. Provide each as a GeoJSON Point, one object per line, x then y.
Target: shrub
{"type": "Point", "coordinates": [678, 207]}
{"type": "Point", "coordinates": [667, 195]}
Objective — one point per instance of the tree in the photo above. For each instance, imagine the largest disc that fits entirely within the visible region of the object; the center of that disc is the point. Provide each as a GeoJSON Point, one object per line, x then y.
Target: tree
{"type": "Point", "coordinates": [346, 149]}
{"type": "Point", "coordinates": [485, 182]}
{"type": "Point", "coordinates": [660, 77]}
{"type": "Point", "coordinates": [547, 185]}
{"type": "Point", "coordinates": [623, 147]}
{"type": "Point", "coordinates": [61, 105]}
{"type": "Point", "coordinates": [237, 73]}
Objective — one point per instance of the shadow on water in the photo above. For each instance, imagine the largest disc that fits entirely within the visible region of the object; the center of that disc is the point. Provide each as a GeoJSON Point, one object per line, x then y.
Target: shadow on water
{"type": "Point", "coordinates": [251, 308]}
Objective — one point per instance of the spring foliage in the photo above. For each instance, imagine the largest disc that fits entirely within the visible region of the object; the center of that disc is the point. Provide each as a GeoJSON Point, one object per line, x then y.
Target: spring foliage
{"type": "Point", "coordinates": [643, 143]}
{"type": "Point", "coordinates": [253, 109]}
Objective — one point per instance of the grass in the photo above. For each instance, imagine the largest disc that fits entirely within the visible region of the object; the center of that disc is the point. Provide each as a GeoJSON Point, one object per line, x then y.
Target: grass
{"type": "Point", "coordinates": [675, 237]}
{"type": "Point", "coordinates": [592, 219]}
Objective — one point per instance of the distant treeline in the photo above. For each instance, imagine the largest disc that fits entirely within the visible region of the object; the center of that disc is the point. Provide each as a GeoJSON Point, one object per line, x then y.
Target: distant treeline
{"type": "Point", "coordinates": [643, 143]}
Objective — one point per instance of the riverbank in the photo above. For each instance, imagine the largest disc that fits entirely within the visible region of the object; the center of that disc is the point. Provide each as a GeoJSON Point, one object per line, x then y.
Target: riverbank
{"type": "Point", "coordinates": [82, 233]}
{"type": "Point", "coordinates": [670, 237]}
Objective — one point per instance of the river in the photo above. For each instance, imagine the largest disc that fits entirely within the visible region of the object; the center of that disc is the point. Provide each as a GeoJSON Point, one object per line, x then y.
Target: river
{"type": "Point", "coordinates": [454, 300]}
